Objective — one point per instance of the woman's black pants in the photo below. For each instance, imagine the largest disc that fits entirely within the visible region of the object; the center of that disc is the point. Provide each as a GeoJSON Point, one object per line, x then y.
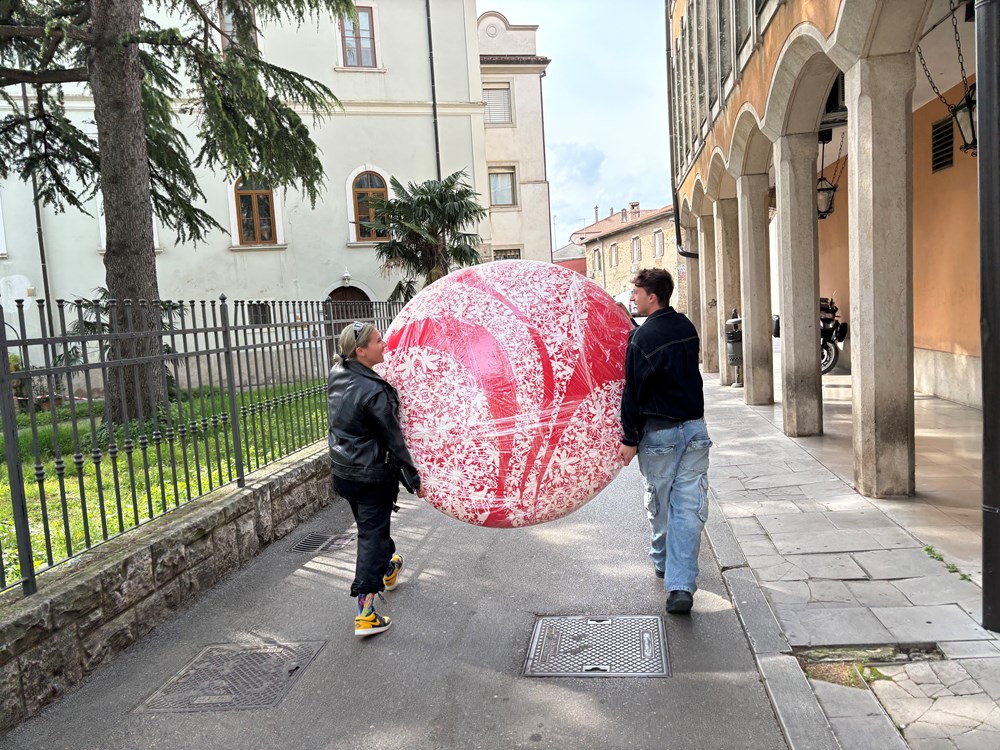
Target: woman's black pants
{"type": "Point", "coordinates": [371, 504]}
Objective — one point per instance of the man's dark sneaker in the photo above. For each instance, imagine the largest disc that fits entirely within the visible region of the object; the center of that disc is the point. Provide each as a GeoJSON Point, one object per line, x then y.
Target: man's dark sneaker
{"type": "Point", "coordinates": [659, 573]}
{"type": "Point", "coordinates": [679, 602]}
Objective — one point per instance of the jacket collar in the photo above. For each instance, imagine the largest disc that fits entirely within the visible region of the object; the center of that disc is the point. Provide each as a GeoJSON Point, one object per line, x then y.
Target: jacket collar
{"type": "Point", "coordinates": [662, 312]}
{"type": "Point", "coordinates": [366, 372]}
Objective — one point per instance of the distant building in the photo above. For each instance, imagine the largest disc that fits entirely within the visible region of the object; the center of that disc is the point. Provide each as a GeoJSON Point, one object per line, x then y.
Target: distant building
{"type": "Point", "coordinates": [625, 242]}
{"type": "Point", "coordinates": [571, 256]}
{"type": "Point", "coordinates": [512, 75]}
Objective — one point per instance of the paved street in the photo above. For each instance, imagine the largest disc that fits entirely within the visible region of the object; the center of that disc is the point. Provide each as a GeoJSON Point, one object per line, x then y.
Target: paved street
{"type": "Point", "coordinates": [448, 674]}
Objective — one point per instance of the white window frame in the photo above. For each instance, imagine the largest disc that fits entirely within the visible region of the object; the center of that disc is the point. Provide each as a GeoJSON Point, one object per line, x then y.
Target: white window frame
{"type": "Point", "coordinates": [614, 255]}
{"type": "Point", "coordinates": [352, 212]}
{"type": "Point", "coordinates": [502, 84]}
{"type": "Point", "coordinates": [598, 260]}
{"type": "Point", "coordinates": [102, 227]}
{"type": "Point", "coordinates": [340, 65]}
{"type": "Point", "coordinates": [636, 249]}
{"type": "Point", "coordinates": [658, 243]}
{"type": "Point", "coordinates": [234, 228]}
{"type": "Point", "coordinates": [515, 187]}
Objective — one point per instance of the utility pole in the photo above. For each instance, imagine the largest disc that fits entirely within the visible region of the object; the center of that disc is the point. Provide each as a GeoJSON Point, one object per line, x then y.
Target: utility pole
{"type": "Point", "coordinates": [988, 110]}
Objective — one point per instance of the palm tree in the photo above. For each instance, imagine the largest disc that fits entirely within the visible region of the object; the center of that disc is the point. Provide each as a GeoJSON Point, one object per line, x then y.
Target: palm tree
{"type": "Point", "coordinates": [430, 228]}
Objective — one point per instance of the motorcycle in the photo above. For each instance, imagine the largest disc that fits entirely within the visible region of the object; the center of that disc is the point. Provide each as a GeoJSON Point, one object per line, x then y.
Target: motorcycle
{"type": "Point", "coordinates": [832, 333]}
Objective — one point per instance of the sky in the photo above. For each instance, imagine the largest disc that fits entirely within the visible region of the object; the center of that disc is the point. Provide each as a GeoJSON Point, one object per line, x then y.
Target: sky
{"type": "Point", "coordinates": [605, 104]}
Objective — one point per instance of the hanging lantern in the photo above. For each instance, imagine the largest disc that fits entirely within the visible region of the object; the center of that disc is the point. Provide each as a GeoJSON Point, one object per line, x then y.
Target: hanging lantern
{"type": "Point", "coordinates": [965, 115]}
{"type": "Point", "coordinates": [825, 192]}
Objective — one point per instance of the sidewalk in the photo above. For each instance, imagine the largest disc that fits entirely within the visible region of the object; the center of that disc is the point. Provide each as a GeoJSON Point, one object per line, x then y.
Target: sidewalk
{"type": "Point", "coordinates": [818, 569]}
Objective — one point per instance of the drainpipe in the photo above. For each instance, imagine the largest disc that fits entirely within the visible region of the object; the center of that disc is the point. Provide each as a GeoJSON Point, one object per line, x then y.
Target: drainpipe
{"type": "Point", "coordinates": [987, 106]}
{"type": "Point", "coordinates": [673, 180]}
{"type": "Point", "coordinates": [434, 96]}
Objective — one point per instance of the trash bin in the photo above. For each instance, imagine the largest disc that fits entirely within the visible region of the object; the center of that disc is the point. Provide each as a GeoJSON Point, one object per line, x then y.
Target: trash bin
{"type": "Point", "coordinates": [734, 340]}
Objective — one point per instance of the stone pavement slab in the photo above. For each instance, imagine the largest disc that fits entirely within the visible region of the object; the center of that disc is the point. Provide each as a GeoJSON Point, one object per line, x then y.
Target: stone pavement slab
{"type": "Point", "coordinates": [930, 624]}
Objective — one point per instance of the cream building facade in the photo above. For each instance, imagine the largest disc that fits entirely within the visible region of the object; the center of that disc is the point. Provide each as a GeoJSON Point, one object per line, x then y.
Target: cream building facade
{"type": "Point", "coordinates": [395, 122]}
{"type": "Point", "coordinates": [623, 243]}
{"type": "Point", "coordinates": [512, 73]}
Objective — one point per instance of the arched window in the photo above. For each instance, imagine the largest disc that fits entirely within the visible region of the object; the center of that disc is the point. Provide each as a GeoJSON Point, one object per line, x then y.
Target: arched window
{"type": "Point", "coordinates": [255, 211]}
{"type": "Point", "coordinates": [367, 184]}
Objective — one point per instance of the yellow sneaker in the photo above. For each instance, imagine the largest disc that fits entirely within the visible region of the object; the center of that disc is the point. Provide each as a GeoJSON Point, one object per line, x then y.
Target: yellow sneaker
{"type": "Point", "coordinates": [391, 580]}
{"type": "Point", "coordinates": [365, 625]}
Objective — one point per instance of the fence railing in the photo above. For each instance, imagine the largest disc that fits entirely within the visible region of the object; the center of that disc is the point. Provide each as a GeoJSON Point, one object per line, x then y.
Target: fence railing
{"type": "Point", "coordinates": [126, 411]}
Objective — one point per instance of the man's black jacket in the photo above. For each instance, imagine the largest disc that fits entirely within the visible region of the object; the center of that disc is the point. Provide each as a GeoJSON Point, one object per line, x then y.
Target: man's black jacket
{"type": "Point", "coordinates": [366, 441]}
{"type": "Point", "coordinates": [662, 379]}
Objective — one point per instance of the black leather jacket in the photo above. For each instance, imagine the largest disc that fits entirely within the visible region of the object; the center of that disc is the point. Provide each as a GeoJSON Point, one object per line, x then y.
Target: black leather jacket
{"type": "Point", "coordinates": [366, 441]}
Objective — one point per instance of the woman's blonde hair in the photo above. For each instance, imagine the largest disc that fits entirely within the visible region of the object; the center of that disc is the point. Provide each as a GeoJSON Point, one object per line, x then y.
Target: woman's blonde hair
{"type": "Point", "coordinates": [354, 336]}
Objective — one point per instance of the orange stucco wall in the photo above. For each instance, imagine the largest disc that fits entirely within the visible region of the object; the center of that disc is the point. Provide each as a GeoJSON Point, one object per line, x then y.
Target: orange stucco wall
{"type": "Point", "coordinates": [755, 79]}
{"type": "Point", "coordinates": [945, 244]}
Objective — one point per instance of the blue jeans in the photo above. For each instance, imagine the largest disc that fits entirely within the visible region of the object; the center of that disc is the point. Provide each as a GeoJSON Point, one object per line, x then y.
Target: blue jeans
{"type": "Point", "coordinates": [674, 463]}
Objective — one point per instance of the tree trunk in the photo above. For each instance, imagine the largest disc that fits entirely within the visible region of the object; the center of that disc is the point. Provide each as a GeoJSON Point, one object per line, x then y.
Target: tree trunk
{"type": "Point", "coordinates": [136, 390]}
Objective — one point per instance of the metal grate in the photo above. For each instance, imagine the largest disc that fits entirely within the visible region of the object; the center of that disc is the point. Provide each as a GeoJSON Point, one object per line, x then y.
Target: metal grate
{"type": "Point", "coordinates": [233, 677]}
{"type": "Point", "coordinates": [321, 542]}
{"type": "Point", "coordinates": [583, 646]}
{"type": "Point", "coordinates": [942, 145]}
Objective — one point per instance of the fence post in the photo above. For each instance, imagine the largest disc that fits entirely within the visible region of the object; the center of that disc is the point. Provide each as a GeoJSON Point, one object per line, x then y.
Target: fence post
{"type": "Point", "coordinates": [234, 412]}
{"type": "Point", "coordinates": [8, 413]}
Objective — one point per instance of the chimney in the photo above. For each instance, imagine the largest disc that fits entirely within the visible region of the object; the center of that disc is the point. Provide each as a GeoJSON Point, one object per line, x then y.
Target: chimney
{"type": "Point", "coordinates": [633, 209]}
{"type": "Point", "coordinates": [596, 217]}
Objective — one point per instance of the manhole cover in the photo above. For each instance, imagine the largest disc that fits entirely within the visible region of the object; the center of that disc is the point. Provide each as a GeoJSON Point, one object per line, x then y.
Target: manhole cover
{"type": "Point", "coordinates": [321, 542]}
{"type": "Point", "coordinates": [234, 676]}
{"type": "Point", "coordinates": [581, 646]}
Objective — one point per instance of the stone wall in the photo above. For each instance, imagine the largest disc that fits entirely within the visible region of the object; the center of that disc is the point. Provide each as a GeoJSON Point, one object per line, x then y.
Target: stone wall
{"type": "Point", "coordinates": [92, 608]}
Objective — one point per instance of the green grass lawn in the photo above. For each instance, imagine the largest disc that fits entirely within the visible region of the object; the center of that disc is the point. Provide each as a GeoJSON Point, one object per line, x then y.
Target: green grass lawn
{"type": "Point", "coordinates": [71, 508]}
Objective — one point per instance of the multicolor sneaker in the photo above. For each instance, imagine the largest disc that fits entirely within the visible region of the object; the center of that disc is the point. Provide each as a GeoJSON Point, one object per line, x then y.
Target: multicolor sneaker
{"type": "Point", "coordinates": [391, 579]}
{"type": "Point", "coordinates": [371, 624]}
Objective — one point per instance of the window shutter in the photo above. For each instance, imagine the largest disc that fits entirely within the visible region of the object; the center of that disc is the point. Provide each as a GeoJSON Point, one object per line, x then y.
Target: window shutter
{"type": "Point", "coordinates": [498, 109]}
{"type": "Point", "coordinates": [942, 145]}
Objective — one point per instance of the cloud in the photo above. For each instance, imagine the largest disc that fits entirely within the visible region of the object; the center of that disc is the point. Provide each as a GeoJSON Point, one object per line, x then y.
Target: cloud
{"type": "Point", "coordinates": [575, 163]}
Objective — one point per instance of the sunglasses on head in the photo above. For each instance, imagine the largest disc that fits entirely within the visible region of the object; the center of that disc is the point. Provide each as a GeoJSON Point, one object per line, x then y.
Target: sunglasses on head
{"type": "Point", "coordinates": [358, 327]}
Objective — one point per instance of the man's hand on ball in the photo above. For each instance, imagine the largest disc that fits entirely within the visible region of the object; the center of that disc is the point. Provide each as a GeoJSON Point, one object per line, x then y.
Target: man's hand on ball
{"type": "Point", "coordinates": [627, 453]}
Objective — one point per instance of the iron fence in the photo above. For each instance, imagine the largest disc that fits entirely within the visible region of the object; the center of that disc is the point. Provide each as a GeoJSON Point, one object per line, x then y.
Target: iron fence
{"type": "Point", "coordinates": [129, 410]}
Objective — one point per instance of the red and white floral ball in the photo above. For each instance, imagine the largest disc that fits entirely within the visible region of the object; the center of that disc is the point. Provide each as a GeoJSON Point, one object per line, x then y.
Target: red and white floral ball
{"type": "Point", "coordinates": [510, 376]}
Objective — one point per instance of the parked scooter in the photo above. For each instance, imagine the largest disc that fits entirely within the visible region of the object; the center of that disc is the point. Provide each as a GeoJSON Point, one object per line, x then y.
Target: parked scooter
{"type": "Point", "coordinates": [832, 333]}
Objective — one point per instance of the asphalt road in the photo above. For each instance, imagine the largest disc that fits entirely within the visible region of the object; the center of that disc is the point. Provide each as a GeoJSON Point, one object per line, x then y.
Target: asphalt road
{"type": "Point", "coordinates": [448, 674]}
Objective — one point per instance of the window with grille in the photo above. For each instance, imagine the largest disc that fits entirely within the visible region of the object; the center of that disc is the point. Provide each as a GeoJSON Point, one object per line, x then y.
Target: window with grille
{"type": "Point", "coordinates": [498, 106]}
{"type": "Point", "coordinates": [502, 192]}
{"type": "Point", "coordinates": [255, 211]}
{"type": "Point", "coordinates": [614, 256]}
{"type": "Point", "coordinates": [636, 249]}
{"type": "Point", "coordinates": [658, 244]}
{"type": "Point", "coordinates": [507, 254]}
{"type": "Point", "coordinates": [942, 145]}
{"type": "Point", "coordinates": [258, 313]}
{"type": "Point", "coordinates": [358, 37]}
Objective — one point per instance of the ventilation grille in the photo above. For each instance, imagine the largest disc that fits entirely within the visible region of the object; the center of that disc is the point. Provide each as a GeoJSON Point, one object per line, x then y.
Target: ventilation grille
{"type": "Point", "coordinates": [942, 145]}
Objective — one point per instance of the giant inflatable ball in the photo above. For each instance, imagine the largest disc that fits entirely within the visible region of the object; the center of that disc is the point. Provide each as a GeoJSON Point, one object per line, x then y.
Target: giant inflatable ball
{"type": "Point", "coordinates": [510, 376]}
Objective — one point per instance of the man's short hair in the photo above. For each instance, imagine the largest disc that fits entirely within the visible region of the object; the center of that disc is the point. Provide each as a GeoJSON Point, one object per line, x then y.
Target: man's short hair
{"type": "Point", "coordinates": [656, 281]}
